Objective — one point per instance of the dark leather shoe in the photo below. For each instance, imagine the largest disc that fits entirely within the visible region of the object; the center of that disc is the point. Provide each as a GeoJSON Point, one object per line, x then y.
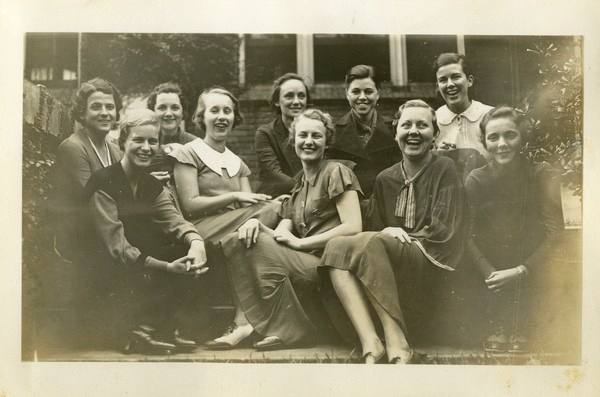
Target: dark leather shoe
{"type": "Point", "coordinates": [518, 344]}
{"type": "Point", "coordinates": [183, 344]}
{"type": "Point", "coordinates": [140, 341]}
{"type": "Point", "coordinates": [497, 343]}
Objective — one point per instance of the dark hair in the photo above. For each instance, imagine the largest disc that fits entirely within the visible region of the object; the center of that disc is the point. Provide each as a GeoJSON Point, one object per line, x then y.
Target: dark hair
{"type": "Point", "coordinates": [198, 117]}
{"type": "Point", "coordinates": [170, 87]}
{"type": "Point", "coordinates": [276, 90]}
{"type": "Point", "coordinates": [314, 114]}
{"type": "Point", "coordinates": [416, 103]}
{"type": "Point", "coordinates": [448, 58]}
{"type": "Point", "coordinates": [134, 118]}
{"type": "Point", "coordinates": [505, 112]}
{"type": "Point", "coordinates": [362, 72]}
{"type": "Point", "coordinates": [88, 88]}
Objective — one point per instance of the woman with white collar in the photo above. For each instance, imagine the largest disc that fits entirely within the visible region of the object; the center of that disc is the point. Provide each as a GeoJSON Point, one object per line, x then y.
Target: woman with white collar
{"type": "Point", "coordinates": [212, 182]}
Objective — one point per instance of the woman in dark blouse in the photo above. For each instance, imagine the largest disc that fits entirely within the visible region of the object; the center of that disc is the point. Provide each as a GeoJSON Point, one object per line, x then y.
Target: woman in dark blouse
{"type": "Point", "coordinates": [167, 102]}
{"type": "Point", "coordinates": [277, 160]}
{"type": "Point", "coordinates": [137, 223]}
{"type": "Point", "coordinates": [516, 217]}
{"type": "Point", "coordinates": [267, 268]}
{"type": "Point", "coordinates": [415, 214]}
{"type": "Point", "coordinates": [363, 136]}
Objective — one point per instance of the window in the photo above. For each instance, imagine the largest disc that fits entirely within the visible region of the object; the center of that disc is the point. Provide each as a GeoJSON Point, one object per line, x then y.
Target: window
{"type": "Point", "coordinates": [422, 51]}
{"type": "Point", "coordinates": [268, 56]}
{"type": "Point", "coordinates": [335, 54]}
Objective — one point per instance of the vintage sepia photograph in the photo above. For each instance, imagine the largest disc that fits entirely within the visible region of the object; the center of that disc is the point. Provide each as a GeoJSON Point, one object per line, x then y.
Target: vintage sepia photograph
{"type": "Point", "coordinates": [299, 198]}
{"type": "Point", "coordinates": [302, 198]}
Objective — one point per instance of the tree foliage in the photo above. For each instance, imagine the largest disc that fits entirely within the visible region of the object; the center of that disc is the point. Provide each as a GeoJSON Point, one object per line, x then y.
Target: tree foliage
{"type": "Point", "coordinates": [136, 63]}
{"type": "Point", "coordinates": [557, 114]}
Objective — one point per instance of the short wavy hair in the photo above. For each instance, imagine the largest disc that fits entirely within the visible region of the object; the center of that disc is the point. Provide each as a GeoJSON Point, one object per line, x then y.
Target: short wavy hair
{"type": "Point", "coordinates": [276, 90]}
{"type": "Point", "coordinates": [198, 117]}
{"type": "Point", "coordinates": [314, 114]}
{"type": "Point", "coordinates": [135, 118]}
{"type": "Point", "coordinates": [506, 112]}
{"type": "Point", "coordinates": [358, 72]}
{"type": "Point", "coordinates": [170, 87]}
{"type": "Point", "coordinates": [416, 103]}
{"type": "Point", "coordinates": [88, 88]}
{"type": "Point", "coordinates": [448, 58]}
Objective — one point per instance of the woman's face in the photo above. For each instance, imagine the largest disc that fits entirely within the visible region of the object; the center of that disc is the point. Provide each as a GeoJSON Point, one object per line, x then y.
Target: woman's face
{"type": "Point", "coordinates": [141, 145]}
{"type": "Point", "coordinates": [453, 84]}
{"type": "Point", "coordinates": [503, 140]}
{"type": "Point", "coordinates": [292, 98]}
{"type": "Point", "coordinates": [415, 133]}
{"type": "Point", "coordinates": [362, 95]}
{"type": "Point", "coordinates": [100, 113]}
{"type": "Point", "coordinates": [310, 139]}
{"type": "Point", "coordinates": [169, 110]}
{"type": "Point", "coordinates": [218, 116]}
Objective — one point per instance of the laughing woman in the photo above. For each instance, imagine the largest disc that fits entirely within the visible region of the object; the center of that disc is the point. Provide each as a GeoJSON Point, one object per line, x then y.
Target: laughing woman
{"type": "Point", "coordinates": [213, 187]}
{"type": "Point", "coordinates": [516, 215]}
{"type": "Point", "coordinates": [266, 267]}
{"type": "Point", "coordinates": [416, 213]}
{"type": "Point", "coordinates": [277, 161]}
{"type": "Point", "coordinates": [363, 135]}
{"type": "Point", "coordinates": [136, 223]}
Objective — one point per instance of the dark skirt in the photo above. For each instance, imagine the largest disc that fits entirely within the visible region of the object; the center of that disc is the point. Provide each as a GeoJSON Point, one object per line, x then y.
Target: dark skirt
{"type": "Point", "coordinates": [395, 274]}
{"type": "Point", "coordinates": [272, 283]}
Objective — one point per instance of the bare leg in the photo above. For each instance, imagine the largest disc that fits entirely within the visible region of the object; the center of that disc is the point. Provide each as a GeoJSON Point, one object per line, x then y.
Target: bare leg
{"type": "Point", "coordinates": [395, 340]}
{"type": "Point", "coordinates": [352, 297]}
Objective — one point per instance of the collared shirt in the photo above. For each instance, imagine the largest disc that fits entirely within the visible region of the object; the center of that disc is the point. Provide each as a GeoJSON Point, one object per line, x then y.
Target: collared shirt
{"type": "Point", "coordinates": [311, 206]}
{"type": "Point", "coordinates": [462, 129]}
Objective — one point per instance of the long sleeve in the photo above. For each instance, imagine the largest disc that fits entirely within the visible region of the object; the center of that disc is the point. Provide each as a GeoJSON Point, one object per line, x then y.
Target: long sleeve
{"type": "Point", "coordinates": [171, 222]}
{"type": "Point", "coordinates": [551, 216]}
{"type": "Point", "coordinates": [269, 163]}
{"type": "Point", "coordinates": [74, 164]}
{"type": "Point", "coordinates": [482, 263]}
{"type": "Point", "coordinates": [110, 230]}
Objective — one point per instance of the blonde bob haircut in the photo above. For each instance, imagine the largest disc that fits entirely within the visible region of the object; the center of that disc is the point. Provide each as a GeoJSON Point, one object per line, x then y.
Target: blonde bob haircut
{"type": "Point", "coordinates": [135, 118]}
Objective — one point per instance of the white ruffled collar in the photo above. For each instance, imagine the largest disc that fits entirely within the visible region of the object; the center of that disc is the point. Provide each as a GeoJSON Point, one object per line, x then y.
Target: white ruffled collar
{"type": "Point", "coordinates": [473, 113]}
{"type": "Point", "coordinates": [216, 161]}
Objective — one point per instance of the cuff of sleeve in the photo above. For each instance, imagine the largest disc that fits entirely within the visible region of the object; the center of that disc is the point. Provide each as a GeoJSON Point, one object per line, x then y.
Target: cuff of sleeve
{"type": "Point", "coordinates": [154, 263]}
{"type": "Point", "coordinates": [191, 236]}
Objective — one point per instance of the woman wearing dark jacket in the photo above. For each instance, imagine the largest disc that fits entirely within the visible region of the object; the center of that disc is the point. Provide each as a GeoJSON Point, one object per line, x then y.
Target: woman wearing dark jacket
{"type": "Point", "coordinates": [277, 161]}
{"type": "Point", "coordinates": [362, 135]}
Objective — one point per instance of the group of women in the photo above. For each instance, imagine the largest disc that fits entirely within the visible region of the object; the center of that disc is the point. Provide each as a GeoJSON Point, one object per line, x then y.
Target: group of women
{"type": "Point", "coordinates": [357, 214]}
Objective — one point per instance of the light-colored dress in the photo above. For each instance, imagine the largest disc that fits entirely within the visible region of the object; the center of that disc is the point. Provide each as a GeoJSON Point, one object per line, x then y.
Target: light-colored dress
{"type": "Point", "coordinates": [221, 173]}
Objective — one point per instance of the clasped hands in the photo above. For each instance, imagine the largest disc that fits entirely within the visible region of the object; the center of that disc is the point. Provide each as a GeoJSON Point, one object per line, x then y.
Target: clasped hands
{"type": "Point", "coordinates": [194, 263]}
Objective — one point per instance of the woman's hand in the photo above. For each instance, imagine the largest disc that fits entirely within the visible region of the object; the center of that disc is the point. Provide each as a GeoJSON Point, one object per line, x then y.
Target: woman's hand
{"type": "Point", "coordinates": [399, 233]}
{"type": "Point", "coordinates": [502, 278]}
{"type": "Point", "coordinates": [286, 237]}
{"type": "Point", "coordinates": [185, 265]}
{"type": "Point", "coordinates": [251, 198]}
{"type": "Point", "coordinates": [249, 232]}
{"type": "Point", "coordinates": [162, 176]}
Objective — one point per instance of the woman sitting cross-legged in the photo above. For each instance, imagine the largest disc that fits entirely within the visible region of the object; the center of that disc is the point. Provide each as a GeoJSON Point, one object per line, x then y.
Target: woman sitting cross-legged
{"type": "Point", "coordinates": [214, 190]}
{"type": "Point", "coordinates": [140, 229]}
{"type": "Point", "coordinates": [266, 267]}
{"type": "Point", "coordinates": [415, 214]}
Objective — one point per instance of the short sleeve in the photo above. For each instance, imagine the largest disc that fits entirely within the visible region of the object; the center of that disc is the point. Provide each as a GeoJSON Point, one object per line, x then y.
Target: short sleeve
{"type": "Point", "coordinates": [342, 179]}
{"type": "Point", "coordinates": [184, 155]}
{"type": "Point", "coordinates": [244, 171]}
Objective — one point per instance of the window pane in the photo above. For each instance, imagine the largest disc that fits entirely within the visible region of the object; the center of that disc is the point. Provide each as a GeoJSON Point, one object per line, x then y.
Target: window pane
{"type": "Point", "coordinates": [335, 54]}
{"type": "Point", "coordinates": [422, 50]}
{"type": "Point", "coordinates": [268, 56]}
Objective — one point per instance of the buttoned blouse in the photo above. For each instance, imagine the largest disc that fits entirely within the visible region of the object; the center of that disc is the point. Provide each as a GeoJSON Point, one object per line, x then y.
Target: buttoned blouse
{"type": "Point", "coordinates": [210, 183]}
{"type": "Point", "coordinates": [312, 207]}
{"type": "Point", "coordinates": [462, 129]}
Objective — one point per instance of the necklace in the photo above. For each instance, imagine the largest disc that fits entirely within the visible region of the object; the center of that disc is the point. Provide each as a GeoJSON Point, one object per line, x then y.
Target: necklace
{"type": "Point", "coordinates": [108, 161]}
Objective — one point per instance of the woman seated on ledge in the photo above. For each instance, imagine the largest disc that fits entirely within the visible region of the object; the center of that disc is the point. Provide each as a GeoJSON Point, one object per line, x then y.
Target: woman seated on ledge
{"type": "Point", "coordinates": [265, 267]}
{"type": "Point", "coordinates": [277, 160]}
{"type": "Point", "coordinates": [137, 224]}
{"type": "Point", "coordinates": [516, 216]}
{"type": "Point", "coordinates": [212, 182]}
{"type": "Point", "coordinates": [416, 214]}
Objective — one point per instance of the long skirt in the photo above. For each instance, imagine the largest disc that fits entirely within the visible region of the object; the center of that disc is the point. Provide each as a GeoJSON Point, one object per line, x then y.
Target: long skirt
{"type": "Point", "coordinates": [395, 274]}
{"type": "Point", "coordinates": [272, 282]}
{"type": "Point", "coordinates": [213, 228]}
